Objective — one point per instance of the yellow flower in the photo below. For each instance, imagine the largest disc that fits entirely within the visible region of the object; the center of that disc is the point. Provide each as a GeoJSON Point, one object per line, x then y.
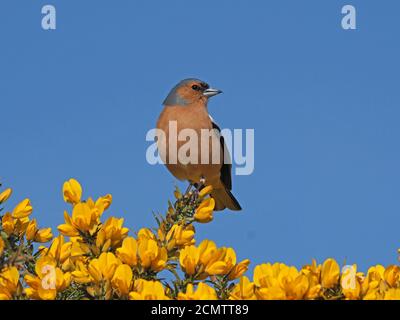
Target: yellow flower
{"type": "Point", "coordinates": [148, 290]}
{"type": "Point", "coordinates": [266, 275]}
{"type": "Point", "coordinates": [204, 213]}
{"type": "Point", "coordinates": [179, 236]}
{"type": "Point", "coordinates": [392, 294]}
{"type": "Point", "coordinates": [314, 290]}
{"type": "Point", "coordinates": [8, 223]}
{"type": "Point", "coordinates": [5, 195]}
{"type": "Point", "coordinates": [72, 191]}
{"type": "Point", "coordinates": [151, 255]}
{"type": "Point", "coordinates": [101, 204]}
{"type": "Point", "coordinates": [59, 250]}
{"type": "Point", "coordinates": [94, 270]}
{"type": "Point", "coordinates": [34, 234]}
{"type": "Point", "coordinates": [81, 273]}
{"type": "Point", "coordinates": [84, 219]}
{"type": "Point", "coordinates": [313, 268]}
{"type": "Point", "coordinates": [294, 283]}
{"type": "Point", "coordinates": [78, 248]}
{"type": "Point", "coordinates": [108, 264]}
{"type": "Point", "coordinates": [208, 260]}
{"type": "Point", "coordinates": [49, 280]}
{"type": "Point", "coordinates": [330, 273]}
{"type": "Point", "coordinates": [9, 282]}
{"type": "Point", "coordinates": [372, 292]}
{"type": "Point", "coordinates": [208, 250]}
{"type": "Point", "coordinates": [23, 209]}
{"type": "Point", "coordinates": [31, 230]}
{"type": "Point", "coordinates": [376, 273]}
{"type": "Point", "coordinates": [222, 262]}
{"type": "Point", "coordinates": [42, 265]}
{"type": "Point", "coordinates": [202, 292]}
{"type": "Point", "coordinates": [296, 287]}
{"type": "Point", "coordinates": [313, 273]}
{"type": "Point", "coordinates": [43, 235]}
{"type": "Point", "coordinates": [13, 225]}
{"type": "Point", "coordinates": [146, 233]}
{"type": "Point", "coordinates": [68, 228]}
{"type": "Point", "coordinates": [104, 202]}
{"type": "Point", "coordinates": [112, 231]}
{"type": "Point", "coordinates": [271, 293]}
{"type": "Point", "coordinates": [127, 253]}
{"type": "Point", "coordinates": [371, 285]}
{"type": "Point", "coordinates": [392, 276]}
{"type": "Point", "coordinates": [239, 269]}
{"type": "Point", "coordinates": [104, 267]}
{"type": "Point", "coordinates": [244, 290]}
{"type": "Point", "coordinates": [215, 261]}
{"type": "Point", "coordinates": [279, 281]}
{"type": "Point", "coordinates": [205, 191]}
{"type": "Point", "coordinates": [189, 258]}
{"type": "Point", "coordinates": [350, 283]}
{"type": "Point", "coordinates": [21, 225]}
{"type": "Point", "coordinates": [122, 280]}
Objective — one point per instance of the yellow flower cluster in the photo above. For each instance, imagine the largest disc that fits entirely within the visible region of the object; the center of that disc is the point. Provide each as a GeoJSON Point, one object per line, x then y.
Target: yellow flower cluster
{"type": "Point", "coordinates": [327, 281]}
{"type": "Point", "coordinates": [92, 259]}
{"type": "Point", "coordinates": [17, 223]}
{"type": "Point", "coordinates": [208, 260]}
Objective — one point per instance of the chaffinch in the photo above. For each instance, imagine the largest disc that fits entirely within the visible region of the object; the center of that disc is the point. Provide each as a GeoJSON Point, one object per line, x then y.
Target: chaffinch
{"type": "Point", "coordinates": [186, 107]}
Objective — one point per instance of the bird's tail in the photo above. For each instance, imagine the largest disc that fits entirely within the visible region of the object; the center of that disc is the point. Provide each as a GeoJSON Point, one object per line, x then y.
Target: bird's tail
{"type": "Point", "coordinates": [225, 199]}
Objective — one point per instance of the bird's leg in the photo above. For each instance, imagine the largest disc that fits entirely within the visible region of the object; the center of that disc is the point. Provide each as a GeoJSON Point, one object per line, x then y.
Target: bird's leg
{"type": "Point", "coordinates": [189, 188]}
{"type": "Point", "coordinates": [199, 186]}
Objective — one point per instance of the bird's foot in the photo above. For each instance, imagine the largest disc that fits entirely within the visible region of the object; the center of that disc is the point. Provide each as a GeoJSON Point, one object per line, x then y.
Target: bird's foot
{"type": "Point", "coordinates": [199, 186]}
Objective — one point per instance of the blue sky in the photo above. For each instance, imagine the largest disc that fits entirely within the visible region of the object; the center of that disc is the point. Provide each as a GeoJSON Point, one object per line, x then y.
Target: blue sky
{"type": "Point", "coordinates": [324, 103]}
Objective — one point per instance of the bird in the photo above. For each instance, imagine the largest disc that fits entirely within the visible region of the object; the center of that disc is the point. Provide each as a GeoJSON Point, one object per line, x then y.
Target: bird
{"type": "Point", "coordinates": [187, 106]}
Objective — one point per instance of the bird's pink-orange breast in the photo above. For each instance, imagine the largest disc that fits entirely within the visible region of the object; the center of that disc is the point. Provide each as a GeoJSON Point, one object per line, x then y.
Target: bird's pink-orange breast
{"type": "Point", "coordinates": [188, 117]}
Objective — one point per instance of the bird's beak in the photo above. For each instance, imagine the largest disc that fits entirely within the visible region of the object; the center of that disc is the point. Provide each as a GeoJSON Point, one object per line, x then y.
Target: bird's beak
{"type": "Point", "coordinates": [211, 92]}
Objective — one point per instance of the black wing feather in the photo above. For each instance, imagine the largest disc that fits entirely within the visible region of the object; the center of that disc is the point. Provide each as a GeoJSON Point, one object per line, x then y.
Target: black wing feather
{"type": "Point", "coordinates": [226, 169]}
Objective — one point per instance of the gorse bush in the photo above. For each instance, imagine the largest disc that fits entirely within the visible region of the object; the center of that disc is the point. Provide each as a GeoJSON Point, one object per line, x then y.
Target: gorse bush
{"type": "Point", "coordinates": [96, 259]}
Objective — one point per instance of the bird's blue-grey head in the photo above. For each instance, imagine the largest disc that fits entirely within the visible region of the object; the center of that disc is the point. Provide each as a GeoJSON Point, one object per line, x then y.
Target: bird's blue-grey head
{"type": "Point", "coordinates": [188, 91]}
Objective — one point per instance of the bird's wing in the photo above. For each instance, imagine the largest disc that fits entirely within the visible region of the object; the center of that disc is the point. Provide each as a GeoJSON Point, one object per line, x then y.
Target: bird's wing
{"type": "Point", "coordinates": [226, 168]}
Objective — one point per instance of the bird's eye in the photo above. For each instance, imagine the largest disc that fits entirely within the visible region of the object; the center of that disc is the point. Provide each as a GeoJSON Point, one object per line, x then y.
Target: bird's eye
{"type": "Point", "coordinates": [195, 87]}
